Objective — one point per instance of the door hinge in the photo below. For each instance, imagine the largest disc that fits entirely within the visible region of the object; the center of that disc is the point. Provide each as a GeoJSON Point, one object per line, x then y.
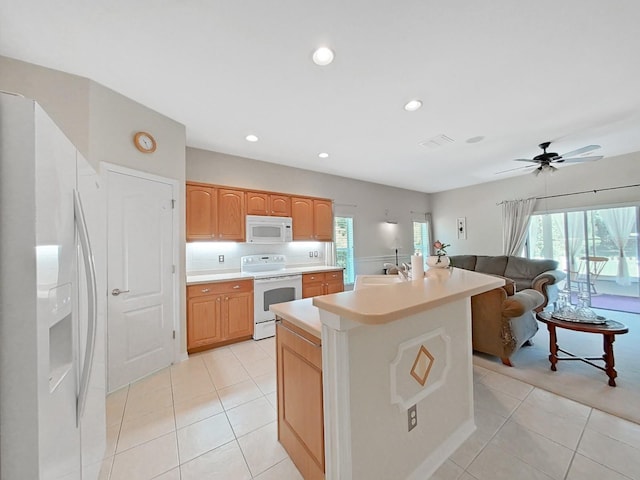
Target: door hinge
{"type": "Point", "coordinates": [173, 269]}
{"type": "Point", "coordinates": [174, 334]}
{"type": "Point", "coordinates": [173, 203]}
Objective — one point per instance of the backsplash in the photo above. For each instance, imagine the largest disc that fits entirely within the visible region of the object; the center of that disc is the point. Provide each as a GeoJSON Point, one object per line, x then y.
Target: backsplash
{"type": "Point", "coordinates": [203, 257]}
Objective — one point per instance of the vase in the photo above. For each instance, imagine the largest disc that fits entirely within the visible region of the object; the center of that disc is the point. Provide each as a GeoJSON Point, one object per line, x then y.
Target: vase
{"type": "Point", "coordinates": [438, 261]}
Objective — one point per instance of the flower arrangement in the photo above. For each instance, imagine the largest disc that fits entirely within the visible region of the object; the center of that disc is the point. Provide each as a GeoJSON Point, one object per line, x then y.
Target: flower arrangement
{"type": "Point", "coordinates": [441, 249]}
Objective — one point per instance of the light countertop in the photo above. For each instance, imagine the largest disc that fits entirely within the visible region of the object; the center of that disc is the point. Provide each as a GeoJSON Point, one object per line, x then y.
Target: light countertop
{"type": "Point", "coordinates": [387, 303]}
{"type": "Point", "coordinates": [302, 314]}
{"type": "Point", "coordinates": [238, 275]}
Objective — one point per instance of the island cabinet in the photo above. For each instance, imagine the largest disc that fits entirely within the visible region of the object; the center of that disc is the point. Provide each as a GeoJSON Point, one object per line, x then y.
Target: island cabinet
{"type": "Point", "coordinates": [312, 219]}
{"type": "Point", "coordinates": [300, 410]}
{"type": "Point", "coordinates": [215, 213]}
{"type": "Point", "coordinates": [219, 314]}
{"type": "Point", "coordinates": [271, 204]}
{"type": "Point", "coordinates": [323, 283]}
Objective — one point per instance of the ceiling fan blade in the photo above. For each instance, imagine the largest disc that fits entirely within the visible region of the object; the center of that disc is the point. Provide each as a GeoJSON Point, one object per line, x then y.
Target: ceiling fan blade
{"type": "Point", "coordinates": [525, 160]}
{"type": "Point", "coordinates": [579, 159]}
{"type": "Point", "coordinates": [588, 148]}
{"type": "Point", "coordinates": [513, 169]}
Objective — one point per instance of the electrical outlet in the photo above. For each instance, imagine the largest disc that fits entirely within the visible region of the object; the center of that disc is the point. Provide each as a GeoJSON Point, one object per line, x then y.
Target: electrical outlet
{"type": "Point", "coordinates": [315, 254]}
{"type": "Point", "coordinates": [412, 417]}
{"type": "Point", "coordinates": [220, 258]}
{"type": "Point", "coordinates": [310, 254]}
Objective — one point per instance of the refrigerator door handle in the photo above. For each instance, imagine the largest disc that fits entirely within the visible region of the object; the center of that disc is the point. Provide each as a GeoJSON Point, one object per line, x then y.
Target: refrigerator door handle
{"type": "Point", "coordinates": [90, 271]}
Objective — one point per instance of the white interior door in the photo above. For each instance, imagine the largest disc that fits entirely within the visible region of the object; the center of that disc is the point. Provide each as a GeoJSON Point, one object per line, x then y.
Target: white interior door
{"type": "Point", "coordinates": [140, 267]}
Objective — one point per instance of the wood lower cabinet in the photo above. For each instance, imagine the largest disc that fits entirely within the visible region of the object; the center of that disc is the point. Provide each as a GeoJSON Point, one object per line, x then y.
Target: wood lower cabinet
{"type": "Point", "coordinates": [218, 314]}
{"type": "Point", "coordinates": [300, 411]}
{"type": "Point", "coordinates": [323, 283]}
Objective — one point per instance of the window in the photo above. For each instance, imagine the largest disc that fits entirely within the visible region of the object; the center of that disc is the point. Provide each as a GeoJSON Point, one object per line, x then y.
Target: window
{"type": "Point", "coordinates": [344, 247]}
{"type": "Point", "coordinates": [598, 249]}
{"type": "Point", "coordinates": [421, 240]}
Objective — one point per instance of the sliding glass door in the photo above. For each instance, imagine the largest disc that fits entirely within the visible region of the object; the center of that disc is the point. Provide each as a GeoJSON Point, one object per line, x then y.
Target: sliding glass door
{"type": "Point", "coordinates": [598, 249]}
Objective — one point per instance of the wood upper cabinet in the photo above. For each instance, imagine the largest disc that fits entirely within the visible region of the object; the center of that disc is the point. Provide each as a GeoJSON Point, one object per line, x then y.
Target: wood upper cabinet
{"type": "Point", "coordinates": [323, 283]}
{"type": "Point", "coordinates": [300, 409]}
{"type": "Point", "coordinates": [262, 203]}
{"type": "Point", "coordinates": [202, 220]}
{"type": "Point", "coordinates": [312, 219]}
{"type": "Point", "coordinates": [280, 205]}
{"type": "Point", "coordinates": [231, 214]}
{"type": "Point", "coordinates": [219, 313]}
{"type": "Point", "coordinates": [257, 203]}
{"type": "Point", "coordinates": [302, 214]}
{"type": "Point", "coordinates": [215, 213]}
{"type": "Point", "coordinates": [323, 220]}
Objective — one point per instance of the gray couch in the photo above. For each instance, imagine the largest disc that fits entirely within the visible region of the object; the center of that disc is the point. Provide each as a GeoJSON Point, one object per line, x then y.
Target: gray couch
{"type": "Point", "coordinates": [540, 275]}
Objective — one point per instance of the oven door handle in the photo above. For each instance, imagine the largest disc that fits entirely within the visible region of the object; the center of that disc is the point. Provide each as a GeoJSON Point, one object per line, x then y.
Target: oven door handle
{"type": "Point", "coordinates": [286, 278]}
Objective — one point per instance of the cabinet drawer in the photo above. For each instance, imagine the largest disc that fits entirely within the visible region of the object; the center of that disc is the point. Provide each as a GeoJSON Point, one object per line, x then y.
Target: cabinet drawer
{"type": "Point", "coordinates": [220, 287]}
{"type": "Point", "coordinates": [312, 277]}
{"type": "Point", "coordinates": [333, 275]}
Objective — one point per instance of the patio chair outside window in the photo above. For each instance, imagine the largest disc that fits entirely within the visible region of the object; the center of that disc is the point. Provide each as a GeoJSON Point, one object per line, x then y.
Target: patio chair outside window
{"type": "Point", "coordinates": [588, 271]}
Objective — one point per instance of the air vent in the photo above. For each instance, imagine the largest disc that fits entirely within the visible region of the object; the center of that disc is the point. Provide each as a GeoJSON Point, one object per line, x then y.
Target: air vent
{"type": "Point", "coordinates": [437, 141]}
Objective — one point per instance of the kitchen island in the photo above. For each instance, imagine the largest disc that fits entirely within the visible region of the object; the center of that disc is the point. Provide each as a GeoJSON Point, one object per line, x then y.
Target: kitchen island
{"type": "Point", "coordinates": [384, 349]}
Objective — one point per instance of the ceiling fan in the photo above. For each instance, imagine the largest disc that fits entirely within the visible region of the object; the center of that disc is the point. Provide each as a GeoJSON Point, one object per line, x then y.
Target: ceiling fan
{"type": "Point", "coordinates": [545, 160]}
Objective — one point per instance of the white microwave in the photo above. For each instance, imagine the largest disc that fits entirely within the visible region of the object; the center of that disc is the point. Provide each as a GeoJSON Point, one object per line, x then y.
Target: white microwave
{"type": "Point", "coordinates": [262, 229]}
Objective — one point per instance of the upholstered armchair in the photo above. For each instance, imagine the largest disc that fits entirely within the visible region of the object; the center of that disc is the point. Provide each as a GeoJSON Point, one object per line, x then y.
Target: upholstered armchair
{"type": "Point", "coordinates": [503, 321]}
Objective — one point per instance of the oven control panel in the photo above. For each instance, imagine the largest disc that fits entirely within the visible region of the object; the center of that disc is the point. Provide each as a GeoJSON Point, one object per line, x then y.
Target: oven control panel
{"type": "Point", "coordinates": [262, 263]}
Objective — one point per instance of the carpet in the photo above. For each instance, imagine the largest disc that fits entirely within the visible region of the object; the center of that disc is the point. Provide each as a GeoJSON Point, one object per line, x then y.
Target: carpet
{"type": "Point", "coordinates": [612, 302]}
{"type": "Point", "coordinates": [577, 380]}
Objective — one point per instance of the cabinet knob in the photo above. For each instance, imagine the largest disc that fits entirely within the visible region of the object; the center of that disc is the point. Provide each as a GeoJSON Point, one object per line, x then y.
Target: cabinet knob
{"type": "Point", "coordinates": [218, 299]}
{"type": "Point", "coordinates": [226, 299]}
{"type": "Point", "coordinates": [205, 290]}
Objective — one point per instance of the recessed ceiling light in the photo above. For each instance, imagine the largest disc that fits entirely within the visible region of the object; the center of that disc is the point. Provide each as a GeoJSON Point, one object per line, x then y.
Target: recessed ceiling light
{"type": "Point", "coordinates": [412, 105]}
{"type": "Point", "coordinates": [323, 56]}
{"type": "Point", "coordinates": [477, 139]}
{"type": "Point", "coordinates": [251, 138]}
{"type": "Point", "coordinates": [323, 155]}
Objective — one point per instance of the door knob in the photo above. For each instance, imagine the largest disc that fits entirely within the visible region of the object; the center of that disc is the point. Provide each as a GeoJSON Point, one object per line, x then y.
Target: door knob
{"type": "Point", "coordinates": [116, 291]}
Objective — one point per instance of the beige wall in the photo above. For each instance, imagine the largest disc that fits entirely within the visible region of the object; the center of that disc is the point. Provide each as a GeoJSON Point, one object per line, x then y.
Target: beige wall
{"type": "Point", "coordinates": [63, 96]}
{"type": "Point", "coordinates": [484, 218]}
{"type": "Point", "coordinates": [101, 123]}
{"type": "Point", "coordinates": [373, 239]}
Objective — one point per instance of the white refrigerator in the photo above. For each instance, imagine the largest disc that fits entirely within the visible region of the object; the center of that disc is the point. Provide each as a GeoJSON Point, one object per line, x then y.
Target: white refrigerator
{"type": "Point", "coordinates": [52, 301]}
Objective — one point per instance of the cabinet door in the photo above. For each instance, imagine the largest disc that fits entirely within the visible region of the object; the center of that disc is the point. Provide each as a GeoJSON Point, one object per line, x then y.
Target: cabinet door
{"type": "Point", "coordinates": [323, 220]}
{"type": "Point", "coordinates": [201, 213]}
{"type": "Point", "coordinates": [231, 215]}
{"type": "Point", "coordinates": [334, 282]}
{"type": "Point", "coordinates": [312, 285]}
{"type": "Point", "coordinates": [257, 203]}
{"type": "Point", "coordinates": [204, 326]}
{"type": "Point", "coordinates": [239, 315]}
{"type": "Point", "coordinates": [302, 214]}
{"type": "Point", "coordinates": [280, 205]}
{"type": "Point", "coordinates": [300, 410]}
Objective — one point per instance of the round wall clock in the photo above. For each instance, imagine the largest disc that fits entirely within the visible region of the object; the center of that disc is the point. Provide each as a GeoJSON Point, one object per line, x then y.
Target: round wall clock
{"type": "Point", "coordinates": [144, 142]}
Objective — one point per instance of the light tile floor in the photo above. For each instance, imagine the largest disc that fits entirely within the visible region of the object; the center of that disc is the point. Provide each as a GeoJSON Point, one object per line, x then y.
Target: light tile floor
{"type": "Point", "coordinates": [213, 417]}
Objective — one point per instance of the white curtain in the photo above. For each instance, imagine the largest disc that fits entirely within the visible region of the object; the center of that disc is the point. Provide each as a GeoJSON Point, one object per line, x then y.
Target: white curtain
{"type": "Point", "coordinates": [515, 223]}
{"type": "Point", "coordinates": [619, 223]}
{"type": "Point", "coordinates": [575, 236]}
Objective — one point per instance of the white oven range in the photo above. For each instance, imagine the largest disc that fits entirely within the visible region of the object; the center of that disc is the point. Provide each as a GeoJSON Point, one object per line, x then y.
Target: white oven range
{"type": "Point", "coordinates": [271, 285]}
